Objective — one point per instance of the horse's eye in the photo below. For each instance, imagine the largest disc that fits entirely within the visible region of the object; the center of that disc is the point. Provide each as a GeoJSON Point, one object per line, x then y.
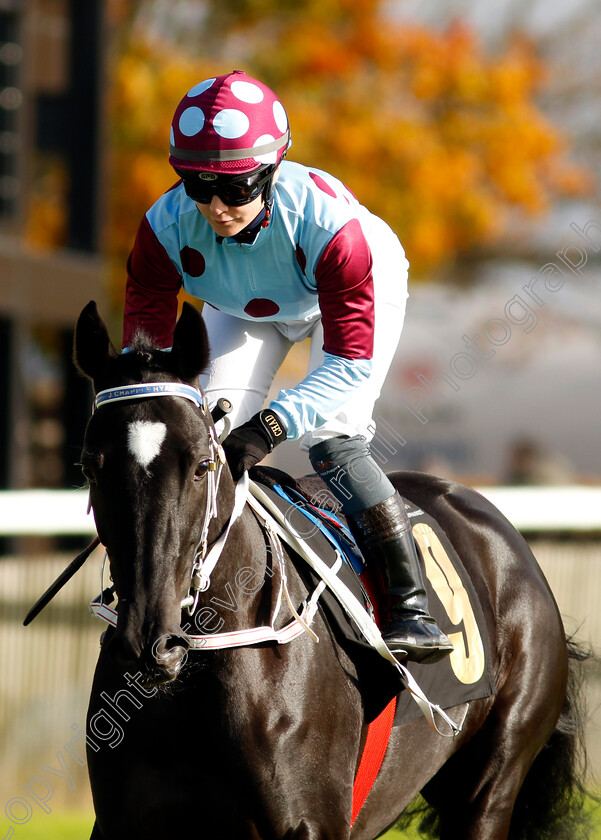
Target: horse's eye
{"type": "Point", "coordinates": [202, 468]}
{"type": "Point", "coordinates": [88, 473]}
{"type": "Point", "coordinates": [91, 463]}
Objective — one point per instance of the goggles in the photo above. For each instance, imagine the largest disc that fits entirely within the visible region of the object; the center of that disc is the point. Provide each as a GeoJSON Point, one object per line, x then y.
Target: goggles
{"type": "Point", "coordinates": [233, 190]}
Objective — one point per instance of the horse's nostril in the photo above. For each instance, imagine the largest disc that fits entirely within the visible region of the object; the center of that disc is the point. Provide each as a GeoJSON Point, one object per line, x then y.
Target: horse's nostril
{"type": "Point", "coordinates": [179, 640]}
{"type": "Point", "coordinates": [169, 642]}
{"type": "Point", "coordinates": [170, 653]}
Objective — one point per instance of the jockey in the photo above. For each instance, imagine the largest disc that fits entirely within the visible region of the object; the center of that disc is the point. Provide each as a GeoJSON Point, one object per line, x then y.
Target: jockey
{"type": "Point", "coordinates": [280, 252]}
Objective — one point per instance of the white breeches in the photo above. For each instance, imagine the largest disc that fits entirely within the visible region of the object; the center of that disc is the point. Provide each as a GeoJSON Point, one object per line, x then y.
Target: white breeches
{"type": "Point", "coordinates": [246, 355]}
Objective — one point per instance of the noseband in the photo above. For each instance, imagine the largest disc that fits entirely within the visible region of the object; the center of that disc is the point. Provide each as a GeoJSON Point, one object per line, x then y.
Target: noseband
{"type": "Point", "coordinates": [201, 568]}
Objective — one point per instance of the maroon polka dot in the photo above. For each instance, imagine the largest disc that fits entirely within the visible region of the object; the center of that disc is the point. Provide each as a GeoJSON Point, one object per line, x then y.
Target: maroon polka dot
{"type": "Point", "coordinates": [301, 258]}
{"type": "Point", "coordinates": [261, 308]}
{"type": "Point", "coordinates": [323, 186]}
{"type": "Point", "coordinates": [193, 261]}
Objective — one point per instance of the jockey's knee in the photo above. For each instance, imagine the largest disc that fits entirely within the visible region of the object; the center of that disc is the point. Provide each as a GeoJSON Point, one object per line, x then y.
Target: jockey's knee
{"type": "Point", "coordinates": [345, 464]}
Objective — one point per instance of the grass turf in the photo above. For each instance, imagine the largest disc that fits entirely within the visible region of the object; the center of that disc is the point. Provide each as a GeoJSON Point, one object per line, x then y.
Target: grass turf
{"type": "Point", "coordinates": [77, 826]}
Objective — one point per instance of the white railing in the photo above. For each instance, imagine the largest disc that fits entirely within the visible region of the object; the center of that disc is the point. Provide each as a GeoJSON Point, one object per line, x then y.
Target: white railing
{"type": "Point", "coordinates": [45, 513]}
{"type": "Point", "coordinates": [64, 512]}
{"type": "Point", "coordinates": [572, 508]}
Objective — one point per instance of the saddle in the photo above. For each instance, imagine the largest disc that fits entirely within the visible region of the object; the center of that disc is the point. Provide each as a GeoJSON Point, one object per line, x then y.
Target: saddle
{"type": "Point", "coordinates": [313, 513]}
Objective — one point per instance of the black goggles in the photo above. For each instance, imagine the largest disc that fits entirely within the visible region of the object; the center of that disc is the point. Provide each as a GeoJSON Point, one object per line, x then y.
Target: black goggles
{"type": "Point", "coordinates": [233, 190]}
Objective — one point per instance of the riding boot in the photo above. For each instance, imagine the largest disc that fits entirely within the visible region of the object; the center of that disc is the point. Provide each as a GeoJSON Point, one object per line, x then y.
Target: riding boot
{"type": "Point", "coordinates": [383, 533]}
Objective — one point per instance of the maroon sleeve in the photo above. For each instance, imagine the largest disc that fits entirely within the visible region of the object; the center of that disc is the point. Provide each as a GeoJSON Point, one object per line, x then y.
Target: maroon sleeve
{"type": "Point", "coordinates": [151, 291]}
{"type": "Point", "coordinates": [346, 294]}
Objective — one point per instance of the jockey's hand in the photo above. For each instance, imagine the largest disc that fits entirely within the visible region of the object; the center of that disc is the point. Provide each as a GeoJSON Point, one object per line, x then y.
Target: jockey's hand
{"type": "Point", "coordinates": [250, 443]}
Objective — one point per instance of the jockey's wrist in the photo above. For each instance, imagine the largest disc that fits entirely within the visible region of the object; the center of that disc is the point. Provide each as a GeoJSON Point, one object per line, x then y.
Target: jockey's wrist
{"type": "Point", "coordinates": [271, 425]}
{"type": "Point", "coordinates": [248, 444]}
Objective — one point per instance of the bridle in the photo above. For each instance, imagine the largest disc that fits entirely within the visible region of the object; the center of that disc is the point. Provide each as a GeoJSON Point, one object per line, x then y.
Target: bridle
{"type": "Point", "coordinates": [204, 561]}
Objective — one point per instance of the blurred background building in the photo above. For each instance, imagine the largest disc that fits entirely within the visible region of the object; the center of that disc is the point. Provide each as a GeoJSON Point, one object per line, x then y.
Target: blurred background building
{"type": "Point", "coordinates": [51, 105]}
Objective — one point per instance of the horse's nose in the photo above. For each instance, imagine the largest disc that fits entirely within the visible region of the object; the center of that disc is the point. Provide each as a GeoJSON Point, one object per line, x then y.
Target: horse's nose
{"type": "Point", "coordinates": [161, 661]}
{"type": "Point", "coordinates": [170, 653]}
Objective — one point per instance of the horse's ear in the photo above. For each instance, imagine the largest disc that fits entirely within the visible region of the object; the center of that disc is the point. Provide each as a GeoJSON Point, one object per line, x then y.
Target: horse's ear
{"type": "Point", "coordinates": [190, 352]}
{"type": "Point", "coordinates": [92, 347]}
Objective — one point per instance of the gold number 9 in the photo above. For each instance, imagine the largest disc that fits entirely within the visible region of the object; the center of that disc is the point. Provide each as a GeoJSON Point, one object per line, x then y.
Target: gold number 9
{"type": "Point", "coordinates": [467, 660]}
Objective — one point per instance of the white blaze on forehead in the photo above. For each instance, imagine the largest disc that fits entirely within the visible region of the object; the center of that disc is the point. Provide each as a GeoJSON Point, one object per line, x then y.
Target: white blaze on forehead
{"type": "Point", "coordinates": [144, 440]}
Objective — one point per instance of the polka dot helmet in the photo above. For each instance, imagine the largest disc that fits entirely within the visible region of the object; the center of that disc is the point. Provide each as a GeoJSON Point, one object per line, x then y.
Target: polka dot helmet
{"type": "Point", "coordinates": [229, 124]}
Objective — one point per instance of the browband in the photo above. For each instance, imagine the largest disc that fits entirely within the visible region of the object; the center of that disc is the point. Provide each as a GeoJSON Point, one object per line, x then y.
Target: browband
{"type": "Point", "coordinates": [150, 389]}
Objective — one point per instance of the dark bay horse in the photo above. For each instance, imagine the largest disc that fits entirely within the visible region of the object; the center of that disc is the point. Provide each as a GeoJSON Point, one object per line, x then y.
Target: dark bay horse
{"type": "Point", "coordinates": [263, 741]}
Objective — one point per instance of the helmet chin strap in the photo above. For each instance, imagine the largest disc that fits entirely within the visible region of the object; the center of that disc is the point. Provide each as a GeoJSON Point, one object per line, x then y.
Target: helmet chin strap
{"type": "Point", "coordinates": [249, 234]}
{"type": "Point", "coordinates": [268, 193]}
{"type": "Point", "coordinates": [265, 221]}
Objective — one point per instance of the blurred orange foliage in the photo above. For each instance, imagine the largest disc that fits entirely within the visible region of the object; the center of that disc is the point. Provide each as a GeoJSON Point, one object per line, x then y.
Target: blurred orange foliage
{"type": "Point", "coordinates": [45, 226]}
{"type": "Point", "coordinates": [440, 138]}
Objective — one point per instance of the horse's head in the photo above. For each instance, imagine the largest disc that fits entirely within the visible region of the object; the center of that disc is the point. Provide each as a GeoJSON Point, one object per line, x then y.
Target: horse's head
{"type": "Point", "coordinates": [147, 462]}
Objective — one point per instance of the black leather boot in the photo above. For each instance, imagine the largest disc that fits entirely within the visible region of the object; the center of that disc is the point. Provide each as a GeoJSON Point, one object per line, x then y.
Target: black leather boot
{"type": "Point", "coordinates": [383, 533]}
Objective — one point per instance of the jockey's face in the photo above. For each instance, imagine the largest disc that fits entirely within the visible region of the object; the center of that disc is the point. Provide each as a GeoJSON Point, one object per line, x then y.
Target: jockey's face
{"type": "Point", "coordinates": [226, 220]}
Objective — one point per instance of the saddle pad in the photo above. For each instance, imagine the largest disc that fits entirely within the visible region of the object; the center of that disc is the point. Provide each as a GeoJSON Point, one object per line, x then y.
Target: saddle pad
{"type": "Point", "coordinates": [463, 676]}
{"type": "Point", "coordinates": [467, 673]}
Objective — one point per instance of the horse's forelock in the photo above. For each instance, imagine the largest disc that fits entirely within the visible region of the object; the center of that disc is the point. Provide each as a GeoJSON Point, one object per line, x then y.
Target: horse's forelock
{"type": "Point", "coordinates": [141, 342]}
{"type": "Point", "coordinates": [146, 352]}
